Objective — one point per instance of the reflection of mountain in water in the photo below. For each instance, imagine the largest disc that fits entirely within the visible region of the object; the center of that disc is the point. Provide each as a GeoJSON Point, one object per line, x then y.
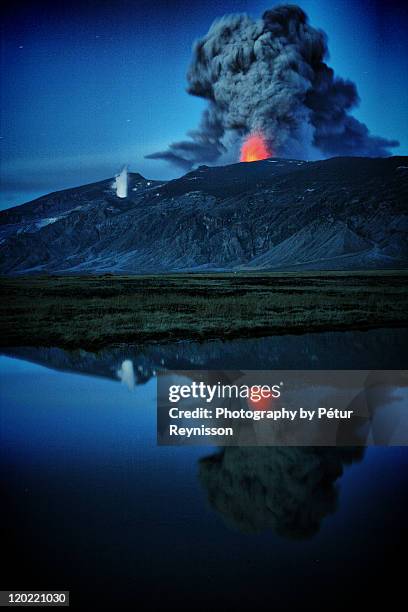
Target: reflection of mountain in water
{"type": "Point", "coordinates": [133, 364]}
{"type": "Point", "coordinates": [286, 489]}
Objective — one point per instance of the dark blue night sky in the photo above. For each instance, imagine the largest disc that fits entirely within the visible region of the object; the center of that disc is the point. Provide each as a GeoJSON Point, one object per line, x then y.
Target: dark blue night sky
{"type": "Point", "coordinates": [89, 86]}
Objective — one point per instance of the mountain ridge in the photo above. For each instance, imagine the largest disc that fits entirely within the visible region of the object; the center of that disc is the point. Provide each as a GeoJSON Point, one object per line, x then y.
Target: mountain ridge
{"type": "Point", "coordinates": [275, 214]}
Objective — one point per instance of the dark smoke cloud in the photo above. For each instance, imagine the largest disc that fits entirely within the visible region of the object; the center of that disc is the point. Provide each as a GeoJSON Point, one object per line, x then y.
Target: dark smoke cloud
{"type": "Point", "coordinates": [270, 75]}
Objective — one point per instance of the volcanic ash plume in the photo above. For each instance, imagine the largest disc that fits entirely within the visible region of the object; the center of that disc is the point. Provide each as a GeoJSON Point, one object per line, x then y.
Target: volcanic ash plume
{"type": "Point", "coordinates": [269, 77]}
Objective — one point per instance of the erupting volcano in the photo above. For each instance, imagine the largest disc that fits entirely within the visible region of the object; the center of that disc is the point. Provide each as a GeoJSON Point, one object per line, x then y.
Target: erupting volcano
{"type": "Point", "coordinates": [254, 148]}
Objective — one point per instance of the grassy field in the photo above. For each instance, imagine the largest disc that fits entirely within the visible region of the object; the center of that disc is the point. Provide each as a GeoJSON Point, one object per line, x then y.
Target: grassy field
{"type": "Point", "coordinates": [95, 311]}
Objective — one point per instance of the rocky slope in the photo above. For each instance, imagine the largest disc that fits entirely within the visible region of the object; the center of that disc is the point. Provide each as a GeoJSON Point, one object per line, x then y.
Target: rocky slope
{"type": "Point", "coordinates": [341, 213]}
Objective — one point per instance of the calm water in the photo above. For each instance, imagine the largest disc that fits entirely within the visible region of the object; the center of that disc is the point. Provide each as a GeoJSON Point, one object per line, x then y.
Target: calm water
{"type": "Point", "coordinates": [91, 504]}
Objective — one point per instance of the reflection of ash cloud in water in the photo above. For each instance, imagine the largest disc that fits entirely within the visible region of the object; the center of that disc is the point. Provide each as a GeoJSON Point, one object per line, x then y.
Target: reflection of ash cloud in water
{"type": "Point", "coordinates": [379, 411]}
{"type": "Point", "coordinates": [289, 490]}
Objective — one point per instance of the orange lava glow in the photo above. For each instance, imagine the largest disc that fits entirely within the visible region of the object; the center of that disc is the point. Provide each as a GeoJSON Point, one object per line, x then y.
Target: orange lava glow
{"type": "Point", "coordinates": [254, 148]}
